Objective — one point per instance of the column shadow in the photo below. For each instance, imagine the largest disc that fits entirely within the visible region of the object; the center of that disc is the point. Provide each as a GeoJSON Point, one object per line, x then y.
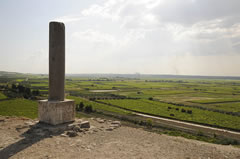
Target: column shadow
{"type": "Point", "coordinates": [33, 135]}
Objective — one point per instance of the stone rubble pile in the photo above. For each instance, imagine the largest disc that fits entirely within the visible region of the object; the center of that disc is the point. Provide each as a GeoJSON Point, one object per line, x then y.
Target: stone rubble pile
{"type": "Point", "coordinates": [78, 127]}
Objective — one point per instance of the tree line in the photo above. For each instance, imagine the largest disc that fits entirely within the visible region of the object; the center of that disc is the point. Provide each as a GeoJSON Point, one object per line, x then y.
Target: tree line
{"type": "Point", "coordinates": [19, 91]}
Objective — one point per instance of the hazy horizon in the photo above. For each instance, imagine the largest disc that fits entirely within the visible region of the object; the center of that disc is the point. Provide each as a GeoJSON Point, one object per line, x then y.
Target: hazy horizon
{"type": "Point", "coordinates": [133, 75]}
{"type": "Point", "coordinates": [177, 37]}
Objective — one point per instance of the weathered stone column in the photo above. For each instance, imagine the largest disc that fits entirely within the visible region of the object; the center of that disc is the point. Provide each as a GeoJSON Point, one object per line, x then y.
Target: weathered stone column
{"type": "Point", "coordinates": [56, 61]}
{"type": "Point", "coordinates": [57, 109]}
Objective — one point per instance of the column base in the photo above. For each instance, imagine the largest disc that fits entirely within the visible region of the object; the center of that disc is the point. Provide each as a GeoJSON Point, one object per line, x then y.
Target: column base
{"type": "Point", "coordinates": [56, 112]}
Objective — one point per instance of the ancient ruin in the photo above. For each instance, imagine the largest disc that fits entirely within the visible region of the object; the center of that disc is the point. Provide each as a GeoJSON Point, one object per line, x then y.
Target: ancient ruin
{"type": "Point", "coordinates": [57, 109]}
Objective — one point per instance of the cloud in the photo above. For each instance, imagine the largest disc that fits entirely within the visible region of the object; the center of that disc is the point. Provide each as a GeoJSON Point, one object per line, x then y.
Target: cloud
{"type": "Point", "coordinates": [202, 16]}
{"type": "Point", "coordinates": [95, 36]}
{"type": "Point", "coordinates": [69, 19]}
{"type": "Point", "coordinates": [147, 31]}
{"type": "Point", "coordinates": [188, 12]}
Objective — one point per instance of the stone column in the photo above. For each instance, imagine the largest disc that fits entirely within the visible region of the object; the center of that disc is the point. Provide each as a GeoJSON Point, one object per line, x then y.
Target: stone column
{"type": "Point", "coordinates": [57, 109]}
{"type": "Point", "coordinates": [56, 61]}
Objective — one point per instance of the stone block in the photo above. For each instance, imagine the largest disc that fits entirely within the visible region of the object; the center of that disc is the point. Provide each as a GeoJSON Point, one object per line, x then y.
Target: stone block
{"type": "Point", "coordinates": [56, 112]}
{"type": "Point", "coordinates": [85, 124]}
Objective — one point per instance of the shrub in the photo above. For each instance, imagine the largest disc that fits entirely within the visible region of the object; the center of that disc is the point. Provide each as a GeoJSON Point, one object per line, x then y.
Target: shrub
{"type": "Point", "coordinates": [150, 98]}
{"type": "Point", "coordinates": [36, 92]}
{"type": "Point", "coordinates": [189, 111]}
{"type": "Point", "coordinates": [169, 107]}
{"type": "Point", "coordinates": [88, 109]}
{"type": "Point", "coordinates": [14, 86]}
{"type": "Point", "coordinates": [215, 135]}
{"type": "Point", "coordinates": [135, 122]}
{"type": "Point", "coordinates": [77, 107]}
{"type": "Point", "coordinates": [171, 114]}
{"type": "Point", "coordinates": [177, 108]}
{"type": "Point", "coordinates": [81, 106]}
{"type": "Point", "coordinates": [149, 122]}
{"type": "Point", "coordinates": [92, 99]}
{"type": "Point", "coordinates": [21, 89]}
{"type": "Point", "coordinates": [26, 96]}
{"type": "Point", "coordinates": [200, 133]}
{"type": "Point", "coordinates": [226, 141]}
{"type": "Point", "coordinates": [183, 110]}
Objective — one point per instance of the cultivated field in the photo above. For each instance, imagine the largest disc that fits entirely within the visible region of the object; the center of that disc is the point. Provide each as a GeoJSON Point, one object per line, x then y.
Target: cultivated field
{"type": "Point", "coordinates": [214, 102]}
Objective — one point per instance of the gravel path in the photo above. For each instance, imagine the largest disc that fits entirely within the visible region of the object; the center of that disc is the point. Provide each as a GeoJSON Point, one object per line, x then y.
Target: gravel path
{"type": "Point", "coordinates": [101, 142]}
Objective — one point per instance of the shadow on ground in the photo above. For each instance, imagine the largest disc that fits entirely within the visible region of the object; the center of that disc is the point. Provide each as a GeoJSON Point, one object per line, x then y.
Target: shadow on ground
{"type": "Point", "coordinates": [34, 134]}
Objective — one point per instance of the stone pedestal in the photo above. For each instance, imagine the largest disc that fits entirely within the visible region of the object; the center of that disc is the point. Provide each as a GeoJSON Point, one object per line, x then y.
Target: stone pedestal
{"type": "Point", "coordinates": [56, 112]}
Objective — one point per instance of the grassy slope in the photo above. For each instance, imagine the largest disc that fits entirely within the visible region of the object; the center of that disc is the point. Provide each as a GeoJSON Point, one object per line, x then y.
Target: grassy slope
{"type": "Point", "coordinates": [19, 107]}
{"type": "Point", "coordinates": [161, 109]}
{"type": "Point", "coordinates": [2, 96]}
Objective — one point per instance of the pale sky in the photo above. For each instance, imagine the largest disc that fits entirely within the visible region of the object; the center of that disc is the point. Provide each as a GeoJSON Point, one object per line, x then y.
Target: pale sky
{"type": "Point", "coordinates": [183, 37]}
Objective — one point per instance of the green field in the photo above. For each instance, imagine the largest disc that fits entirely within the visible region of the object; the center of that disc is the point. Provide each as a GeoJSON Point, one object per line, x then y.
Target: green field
{"type": "Point", "coordinates": [165, 110]}
{"type": "Point", "coordinates": [213, 102]}
{"type": "Point", "coordinates": [232, 107]}
{"type": "Point", "coordinates": [19, 107]}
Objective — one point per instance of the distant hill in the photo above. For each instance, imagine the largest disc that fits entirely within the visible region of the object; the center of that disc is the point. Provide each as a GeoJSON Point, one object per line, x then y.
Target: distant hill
{"type": "Point", "coordinates": [4, 74]}
{"type": "Point", "coordinates": [152, 76]}
{"type": "Point", "coordinates": [9, 74]}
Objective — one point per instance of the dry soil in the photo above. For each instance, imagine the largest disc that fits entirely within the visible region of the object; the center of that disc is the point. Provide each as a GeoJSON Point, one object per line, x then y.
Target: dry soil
{"type": "Point", "coordinates": [21, 138]}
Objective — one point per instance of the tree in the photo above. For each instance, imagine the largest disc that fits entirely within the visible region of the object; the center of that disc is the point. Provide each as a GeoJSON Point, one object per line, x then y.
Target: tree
{"type": "Point", "coordinates": [28, 91]}
{"type": "Point", "coordinates": [14, 86]}
{"type": "Point", "coordinates": [81, 106]}
{"type": "Point", "coordinates": [36, 92]}
{"type": "Point", "coordinates": [21, 88]}
{"type": "Point", "coordinates": [88, 109]}
{"type": "Point", "coordinates": [183, 110]}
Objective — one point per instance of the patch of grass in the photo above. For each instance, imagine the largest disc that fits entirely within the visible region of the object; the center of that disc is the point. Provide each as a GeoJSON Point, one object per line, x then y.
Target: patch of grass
{"type": "Point", "coordinates": [200, 137]}
{"type": "Point", "coordinates": [232, 107]}
{"type": "Point", "coordinates": [2, 96]}
{"type": "Point", "coordinates": [214, 101]}
{"type": "Point", "coordinates": [19, 107]}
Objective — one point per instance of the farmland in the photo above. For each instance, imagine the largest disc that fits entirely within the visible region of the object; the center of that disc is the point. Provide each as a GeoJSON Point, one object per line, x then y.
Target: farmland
{"type": "Point", "coordinates": [214, 102]}
{"type": "Point", "coordinates": [177, 112]}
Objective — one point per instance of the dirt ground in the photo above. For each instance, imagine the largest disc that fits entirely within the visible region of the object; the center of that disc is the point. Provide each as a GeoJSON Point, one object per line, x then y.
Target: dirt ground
{"type": "Point", "coordinates": [26, 139]}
